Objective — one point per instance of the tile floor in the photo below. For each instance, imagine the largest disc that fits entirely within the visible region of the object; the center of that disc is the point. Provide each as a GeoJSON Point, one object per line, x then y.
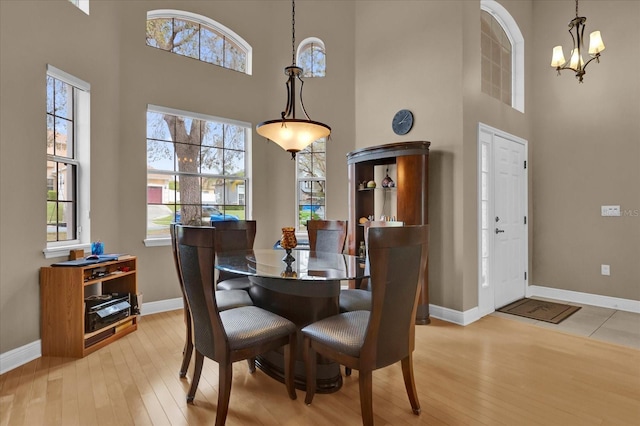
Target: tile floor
{"type": "Point", "coordinates": [609, 325]}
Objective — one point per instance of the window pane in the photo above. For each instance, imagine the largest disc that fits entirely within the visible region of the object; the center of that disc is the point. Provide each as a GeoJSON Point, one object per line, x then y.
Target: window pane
{"type": "Point", "coordinates": [158, 128]}
{"type": "Point", "coordinates": [186, 40]}
{"type": "Point", "coordinates": [50, 135]}
{"type": "Point", "coordinates": [50, 84]}
{"type": "Point", "coordinates": [211, 46]}
{"type": "Point", "coordinates": [212, 160]}
{"type": "Point", "coordinates": [234, 137]}
{"type": "Point", "coordinates": [233, 191]}
{"type": "Point", "coordinates": [234, 163]}
{"type": "Point", "coordinates": [63, 99]}
{"type": "Point", "coordinates": [159, 33]}
{"type": "Point", "coordinates": [160, 155]}
{"type": "Point", "coordinates": [212, 134]}
{"type": "Point", "coordinates": [234, 57]}
{"type": "Point", "coordinates": [63, 137]}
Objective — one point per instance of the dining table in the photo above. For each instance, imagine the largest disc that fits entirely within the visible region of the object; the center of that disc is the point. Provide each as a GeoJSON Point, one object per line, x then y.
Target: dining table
{"type": "Point", "coordinates": [302, 286]}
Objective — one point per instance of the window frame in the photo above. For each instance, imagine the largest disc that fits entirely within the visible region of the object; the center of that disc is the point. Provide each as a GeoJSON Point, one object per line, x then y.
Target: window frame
{"type": "Point", "coordinates": [166, 239]}
{"type": "Point", "coordinates": [83, 5]}
{"type": "Point", "coordinates": [210, 24]}
{"type": "Point", "coordinates": [82, 159]}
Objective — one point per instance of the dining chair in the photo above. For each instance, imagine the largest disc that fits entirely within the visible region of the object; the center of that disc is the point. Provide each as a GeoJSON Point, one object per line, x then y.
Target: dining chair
{"type": "Point", "coordinates": [234, 235]}
{"type": "Point", "coordinates": [228, 336]}
{"type": "Point", "coordinates": [370, 340]}
{"type": "Point", "coordinates": [356, 299]}
{"type": "Point", "coordinates": [226, 300]}
{"type": "Point", "coordinates": [327, 235]}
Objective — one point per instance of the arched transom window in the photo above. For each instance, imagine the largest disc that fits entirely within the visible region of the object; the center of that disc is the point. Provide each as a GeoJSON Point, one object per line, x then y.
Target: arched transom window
{"type": "Point", "coordinates": [312, 57]}
{"type": "Point", "coordinates": [198, 37]}
{"type": "Point", "coordinates": [502, 46]}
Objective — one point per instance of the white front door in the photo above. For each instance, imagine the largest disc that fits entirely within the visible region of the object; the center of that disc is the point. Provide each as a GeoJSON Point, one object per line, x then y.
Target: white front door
{"type": "Point", "coordinates": [509, 223]}
{"type": "Point", "coordinates": [502, 218]}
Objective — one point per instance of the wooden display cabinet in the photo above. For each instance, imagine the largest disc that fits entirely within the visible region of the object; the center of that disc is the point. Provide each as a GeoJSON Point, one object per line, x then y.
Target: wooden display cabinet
{"type": "Point", "coordinates": [62, 293]}
{"type": "Point", "coordinates": [412, 164]}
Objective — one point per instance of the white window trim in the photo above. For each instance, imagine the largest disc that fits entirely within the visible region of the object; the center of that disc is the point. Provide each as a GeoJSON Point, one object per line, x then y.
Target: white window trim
{"type": "Point", "coordinates": [512, 30]}
{"type": "Point", "coordinates": [248, 192]}
{"type": "Point", "coordinates": [83, 5]}
{"type": "Point", "coordinates": [82, 132]}
{"type": "Point", "coordinates": [207, 22]}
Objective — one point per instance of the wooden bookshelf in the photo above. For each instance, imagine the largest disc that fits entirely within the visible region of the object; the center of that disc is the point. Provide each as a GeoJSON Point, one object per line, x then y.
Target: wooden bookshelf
{"type": "Point", "coordinates": [62, 300]}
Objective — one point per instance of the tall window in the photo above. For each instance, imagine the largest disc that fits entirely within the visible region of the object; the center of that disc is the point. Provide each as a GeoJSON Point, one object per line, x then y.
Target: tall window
{"type": "Point", "coordinates": [67, 143]}
{"type": "Point", "coordinates": [502, 46]}
{"type": "Point", "coordinates": [311, 172]}
{"type": "Point", "coordinates": [198, 37]}
{"type": "Point", "coordinates": [196, 169]}
{"type": "Point", "coordinates": [496, 59]}
{"type": "Point", "coordinates": [312, 57]}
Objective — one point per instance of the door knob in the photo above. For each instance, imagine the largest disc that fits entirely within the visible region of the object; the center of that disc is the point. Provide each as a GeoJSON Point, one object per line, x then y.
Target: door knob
{"type": "Point", "coordinates": [498, 231]}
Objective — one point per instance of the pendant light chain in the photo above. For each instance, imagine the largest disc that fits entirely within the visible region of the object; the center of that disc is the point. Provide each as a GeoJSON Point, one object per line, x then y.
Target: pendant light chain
{"type": "Point", "coordinates": [576, 8]}
{"type": "Point", "coordinates": [293, 32]}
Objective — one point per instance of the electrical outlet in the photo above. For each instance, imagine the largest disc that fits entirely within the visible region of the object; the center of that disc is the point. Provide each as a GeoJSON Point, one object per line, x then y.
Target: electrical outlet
{"type": "Point", "coordinates": [609, 210]}
{"type": "Point", "coordinates": [605, 270]}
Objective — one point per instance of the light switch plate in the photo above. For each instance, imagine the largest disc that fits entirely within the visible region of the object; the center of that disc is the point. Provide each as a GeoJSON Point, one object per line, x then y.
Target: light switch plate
{"type": "Point", "coordinates": [610, 210]}
{"type": "Point", "coordinates": [605, 270]}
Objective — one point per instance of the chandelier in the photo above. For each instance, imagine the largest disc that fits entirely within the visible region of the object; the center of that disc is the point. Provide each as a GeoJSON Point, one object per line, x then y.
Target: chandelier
{"type": "Point", "coordinates": [291, 133]}
{"type": "Point", "coordinates": [577, 63]}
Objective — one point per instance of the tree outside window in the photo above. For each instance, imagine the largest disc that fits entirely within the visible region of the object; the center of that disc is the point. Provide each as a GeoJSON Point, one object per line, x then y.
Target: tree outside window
{"type": "Point", "coordinates": [311, 183]}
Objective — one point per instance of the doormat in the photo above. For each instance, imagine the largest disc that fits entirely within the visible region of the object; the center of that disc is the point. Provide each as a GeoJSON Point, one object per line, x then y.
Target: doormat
{"type": "Point", "coordinates": [540, 310]}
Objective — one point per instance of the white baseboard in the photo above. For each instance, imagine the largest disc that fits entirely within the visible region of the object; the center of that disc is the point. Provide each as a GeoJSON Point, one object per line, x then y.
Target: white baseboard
{"type": "Point", "coordinates": [24, 354]}
{"type": "Point", "coordinates": [18, 356]}
{"type": "Point", "coordinates": [584, 298]}
{"type": "Point", "coordinates": [456, 317]}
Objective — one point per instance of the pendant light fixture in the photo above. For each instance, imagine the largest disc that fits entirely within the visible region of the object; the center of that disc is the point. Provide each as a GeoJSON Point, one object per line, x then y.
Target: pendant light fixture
{"type": "Point", "coordinates": [577, 63]}
{"type": "Point", "coordinates": [291, 133]}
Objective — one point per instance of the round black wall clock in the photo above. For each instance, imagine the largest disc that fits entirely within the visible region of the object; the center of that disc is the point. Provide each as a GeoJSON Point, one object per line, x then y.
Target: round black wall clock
{"type": "Point", "coordinates": [402, 122]}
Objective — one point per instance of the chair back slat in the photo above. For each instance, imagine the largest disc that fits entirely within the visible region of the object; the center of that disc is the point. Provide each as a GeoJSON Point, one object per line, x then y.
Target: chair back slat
{"type": "Point", "coordinates": [398, 258]}
{"type": "Point", "coordinates": [327, 235]}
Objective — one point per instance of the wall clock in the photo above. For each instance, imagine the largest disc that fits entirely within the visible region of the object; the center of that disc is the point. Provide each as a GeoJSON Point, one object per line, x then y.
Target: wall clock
{"type": "Point", "coordinates": [402, 122]}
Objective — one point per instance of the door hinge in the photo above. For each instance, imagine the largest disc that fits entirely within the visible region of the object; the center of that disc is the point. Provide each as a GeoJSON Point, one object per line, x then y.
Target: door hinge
{"type": "Point", "coordinates": [525, 164]}
{"type": "Point", "coordinates": [525, 275]}
{"type": "Point", "coordinates": [525, 220]}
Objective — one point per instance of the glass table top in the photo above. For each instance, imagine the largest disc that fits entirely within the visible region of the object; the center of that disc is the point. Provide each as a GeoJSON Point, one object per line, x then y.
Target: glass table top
{"type": "Point", "coordinates": [306, 265]}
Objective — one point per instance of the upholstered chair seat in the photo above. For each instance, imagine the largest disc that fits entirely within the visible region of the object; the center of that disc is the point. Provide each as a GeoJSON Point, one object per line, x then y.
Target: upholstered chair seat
{"type": "Point", "coordinates": [343, 333]}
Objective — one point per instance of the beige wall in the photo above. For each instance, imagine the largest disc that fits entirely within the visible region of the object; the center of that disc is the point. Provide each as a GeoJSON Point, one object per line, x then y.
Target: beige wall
{"type": "Point", "coordinates": [382, 56]}
{"type": "Point", "coordinates": [586, 153]}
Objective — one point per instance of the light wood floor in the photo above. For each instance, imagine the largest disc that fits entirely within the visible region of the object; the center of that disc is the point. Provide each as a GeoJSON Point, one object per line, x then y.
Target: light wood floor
{"type": "Point", "coordinates": [493, 372]}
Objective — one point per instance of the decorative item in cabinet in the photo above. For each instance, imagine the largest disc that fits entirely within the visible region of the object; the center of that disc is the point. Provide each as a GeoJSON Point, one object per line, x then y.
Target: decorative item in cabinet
{"type": "Point", "coordinates": [64, 311]}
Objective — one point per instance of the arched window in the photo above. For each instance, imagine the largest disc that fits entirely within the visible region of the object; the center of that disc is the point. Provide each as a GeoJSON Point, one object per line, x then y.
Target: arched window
{"type": "Point", "coordinates": [502, 48]}
{"type": "Point", "coordinates": [198, 37]}
{"type": "Point", "coordinates": [311, 57]}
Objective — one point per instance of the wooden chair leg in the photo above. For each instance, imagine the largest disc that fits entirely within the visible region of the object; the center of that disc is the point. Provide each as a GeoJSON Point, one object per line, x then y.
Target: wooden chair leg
{"type": "Point", "coordinates": [252, 365]}
{"type": "Point", "coordinates": [188, 344]}
{"type": "Point", "coordinates": [310, 362]}
{"type": "Point", "coordinates": [197, 371]}
{"type": "Point", "coordinates": [366, 397]}
{"type": "Point", "coordinates": [410, 384]}
{"type": "Point", "coordinates": [224, 392]}
{"type": "Point", "coordinates": [289, 366]}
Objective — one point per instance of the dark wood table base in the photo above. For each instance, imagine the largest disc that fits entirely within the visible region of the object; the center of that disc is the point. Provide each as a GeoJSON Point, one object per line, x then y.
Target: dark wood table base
{"type": "Point", "coordinates": [301, 302]}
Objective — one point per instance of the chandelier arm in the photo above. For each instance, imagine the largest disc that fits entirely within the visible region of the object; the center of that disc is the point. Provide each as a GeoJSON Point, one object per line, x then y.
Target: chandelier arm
{"type": "Point", "coordinates": [304, 110]}
{"type": "Point", "coordinates": [287, 111]}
